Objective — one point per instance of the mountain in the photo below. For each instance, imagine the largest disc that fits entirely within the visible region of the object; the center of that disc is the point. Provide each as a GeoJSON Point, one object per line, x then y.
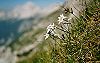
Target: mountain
{"type": "Point", "coordinates": [20, 19]}
{"type": "Point", "coordinates": [29, 42]}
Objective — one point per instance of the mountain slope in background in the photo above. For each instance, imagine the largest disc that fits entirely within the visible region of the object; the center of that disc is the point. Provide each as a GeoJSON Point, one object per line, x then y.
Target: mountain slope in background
{"type": "Point", "coordinates": [28, 34]}
{"type": "Point", "coordinates": [20, 19]}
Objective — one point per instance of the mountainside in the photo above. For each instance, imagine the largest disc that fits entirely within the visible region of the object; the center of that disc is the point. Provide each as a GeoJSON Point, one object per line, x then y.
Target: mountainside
{"type": "Point", "coordinates": [23, 35]}
{"type": "Point", "coordinates": [34, 36]}
{"type": "Point", "coordinates": [31, 47]}
{"type": "Point", "coordinates": [31, 40]}
{"type": "Point", "coordinates": [20, 19]}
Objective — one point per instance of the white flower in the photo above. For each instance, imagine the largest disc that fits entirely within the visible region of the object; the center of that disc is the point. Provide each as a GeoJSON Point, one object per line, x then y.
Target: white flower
{"type": "Point", "coordinates": [46, 36]}
{"type": "Point", "coordinates": [51, 26]}
{"type": "Point", "coordinates": [50, 30]}
{"type": "Point", "coordinates": [61, 18]}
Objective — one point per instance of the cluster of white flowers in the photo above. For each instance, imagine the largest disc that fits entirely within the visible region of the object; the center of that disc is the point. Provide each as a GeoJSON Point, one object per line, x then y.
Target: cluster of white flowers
{"type": "Point", "coordinates": [51, 27]}
{"type": "Point", "coordinates": [50, 30]}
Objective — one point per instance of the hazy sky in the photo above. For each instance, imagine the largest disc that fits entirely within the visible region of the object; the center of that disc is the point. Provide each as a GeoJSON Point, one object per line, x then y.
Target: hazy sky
{"type": "Point", "coordinates": [7, 4]}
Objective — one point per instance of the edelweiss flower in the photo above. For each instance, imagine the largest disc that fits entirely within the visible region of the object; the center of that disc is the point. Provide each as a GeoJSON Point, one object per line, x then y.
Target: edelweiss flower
{"type": "Point", "coordinates": [61, 18]}
{"type": "Point", "coordinates": [50, 30]}
{"type": "Point", "coordinates": [46, 36]}
{"type": "Point", "coordinates": [51, 26]}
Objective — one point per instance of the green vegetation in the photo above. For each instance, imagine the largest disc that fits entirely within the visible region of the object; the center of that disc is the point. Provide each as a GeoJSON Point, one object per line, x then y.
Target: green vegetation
{"type": "Point", "coordinates": [79, 44]}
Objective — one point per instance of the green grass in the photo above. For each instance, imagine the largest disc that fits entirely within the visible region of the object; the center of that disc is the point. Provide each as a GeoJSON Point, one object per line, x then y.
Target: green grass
{"type": "Point", "coordinates": [81, 45]}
